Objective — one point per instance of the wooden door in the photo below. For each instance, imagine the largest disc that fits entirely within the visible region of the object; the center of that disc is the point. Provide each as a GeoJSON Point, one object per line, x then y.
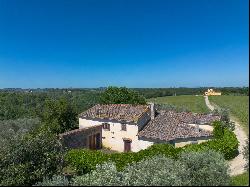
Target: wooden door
{"type": "Point", "coordinates": [98, 141]}
{"type": "Point", "coordinates": [127, 145]}
{"type": "Point", "coordinates": [92, 142]}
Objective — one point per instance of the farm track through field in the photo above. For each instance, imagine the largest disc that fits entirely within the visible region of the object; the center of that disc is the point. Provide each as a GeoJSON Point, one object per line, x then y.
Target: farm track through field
{"type": "Point", "coordinates": [238, 163]}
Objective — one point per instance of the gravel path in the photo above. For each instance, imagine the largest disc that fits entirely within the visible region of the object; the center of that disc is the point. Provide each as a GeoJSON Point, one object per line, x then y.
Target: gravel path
{"type": "Point", "coordinates": [238, 163]}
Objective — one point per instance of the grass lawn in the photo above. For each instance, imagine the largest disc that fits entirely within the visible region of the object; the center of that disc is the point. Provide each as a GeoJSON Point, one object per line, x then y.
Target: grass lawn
{"type": "Point", "coordinates": [191, 102]}
{"type": "Point", "coordinates": [240, 180]}
{"type": "Point", "coordinates": [238, 106]}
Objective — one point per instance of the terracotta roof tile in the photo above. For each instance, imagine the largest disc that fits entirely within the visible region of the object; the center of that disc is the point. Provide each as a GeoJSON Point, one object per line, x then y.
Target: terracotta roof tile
{"type": "Point", "coordinates": [120, 112]}
{"type": "Point", "coordinates": [171, 125]}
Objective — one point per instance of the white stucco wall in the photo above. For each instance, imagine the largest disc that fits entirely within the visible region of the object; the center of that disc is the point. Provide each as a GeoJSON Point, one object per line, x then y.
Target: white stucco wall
{"type": "Point", "coordinates": [87, 123]}
{"type": "Point", "coordinates": [113, 138]}
{"type": "Point", "coordinates": [183, 142]}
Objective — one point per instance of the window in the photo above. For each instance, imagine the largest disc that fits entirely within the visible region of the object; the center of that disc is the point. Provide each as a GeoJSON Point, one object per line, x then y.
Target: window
{"type": "Point", "coordinates": [106, 126]}
{"type": "Point", "coordinates": [124, 127]}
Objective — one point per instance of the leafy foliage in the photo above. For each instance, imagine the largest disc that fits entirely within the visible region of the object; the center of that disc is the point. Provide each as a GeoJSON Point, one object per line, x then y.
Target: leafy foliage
{"type": "Point", "coordinates": [30, 158]}
{"type": "Point", "coordinates": [227, 145]}
{"type": "Point", "coordinates": [56, 180]}
{"type": "Point", "coordinates": [20, 104]}
{"type": "Point", "coordinates": [122, 95]}
{"type": "Point", "coordinates": [206, 168]}
{"type": "Point", "coordinates": [225, 118]}
{"type": "Point", "coordinates": [218, 130]}
{"type": "Point", "coordinates": [84, 160]}
{"type": "Point", "coordinates": [156, 171]}
{"type": "Point", "coordinates": [60, 115]}
{"type": "Point", "coordinates": [13, 129]}
{"type": "Point", "coordinates": [191, 169]}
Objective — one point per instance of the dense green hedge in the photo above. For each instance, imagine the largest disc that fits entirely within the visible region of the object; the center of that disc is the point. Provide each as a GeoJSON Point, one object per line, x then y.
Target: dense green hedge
{"type": "Point", "coordinates": [227, 145]}
{"type": "Point", "coordinates": [84, 160]}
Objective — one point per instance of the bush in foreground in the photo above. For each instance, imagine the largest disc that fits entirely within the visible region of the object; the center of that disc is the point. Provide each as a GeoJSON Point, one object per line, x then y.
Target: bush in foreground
{"type": "Point", "coordinates": [206, 168]}
{"type": "Point", "coordinates": [28, 159]}
{"type": "Point", "coordinates": [192, 169]}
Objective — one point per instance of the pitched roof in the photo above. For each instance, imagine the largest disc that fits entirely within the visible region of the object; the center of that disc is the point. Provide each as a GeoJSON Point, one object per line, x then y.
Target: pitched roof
{"type": "Point", "coordinates": [197, 118]}
{"type": "Point", "coordinates": [119, 112]}
{"type": "Point", "coordinates": [169, 126]}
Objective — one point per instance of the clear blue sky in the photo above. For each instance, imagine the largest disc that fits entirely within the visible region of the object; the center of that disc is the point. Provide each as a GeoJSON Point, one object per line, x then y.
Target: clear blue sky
{"type": "Point", "coordinates": [132, 43]}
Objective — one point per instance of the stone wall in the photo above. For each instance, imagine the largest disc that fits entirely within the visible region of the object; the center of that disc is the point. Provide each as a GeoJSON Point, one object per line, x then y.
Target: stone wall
{"type": "Point", "coordinates": [78, 138]}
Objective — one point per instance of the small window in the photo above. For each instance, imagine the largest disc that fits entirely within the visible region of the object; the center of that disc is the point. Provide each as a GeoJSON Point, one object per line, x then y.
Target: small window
{"type": "Point", "coordinates": [124, 127]}
{"type": "Point", "coordinates": [106, 126]}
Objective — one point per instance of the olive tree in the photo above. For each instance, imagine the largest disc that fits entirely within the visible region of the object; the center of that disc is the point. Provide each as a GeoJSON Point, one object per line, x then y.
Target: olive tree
{"type": "Point", "coordinates": [30, 158]}
{"type": "Point", "coordinates": [156, 171]}
{"type": "Point", "coordinates": [56, 180]}
{"type": "Point", "coordinates": [206, 168]}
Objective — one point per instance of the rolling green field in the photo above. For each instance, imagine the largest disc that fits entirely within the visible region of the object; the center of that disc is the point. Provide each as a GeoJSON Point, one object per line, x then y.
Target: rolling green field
{"type": "Point", "coordinates": [237, 105]}
{"type": "Point", "coordinates": [191, 102]}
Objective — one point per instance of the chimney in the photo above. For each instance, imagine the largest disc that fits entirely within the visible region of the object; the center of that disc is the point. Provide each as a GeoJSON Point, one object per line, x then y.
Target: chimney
{"type": "Point", "coordinates": [152, 111]}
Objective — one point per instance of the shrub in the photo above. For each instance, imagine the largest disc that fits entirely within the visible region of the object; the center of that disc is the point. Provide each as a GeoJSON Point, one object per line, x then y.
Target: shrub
{"type": "Point", "coordinates": [56, 180]}
{"type": "Point", "coordinates": [206, 168]}
{"type": "Point", "coordinates": [29, 159]}
{"type": "Point", "coordinates": [227, 145]}
{"type": "Point", "coordinates": [155, 171]}
{"type": "Point", "coordinates": [192, 169]}
{"type": "Point", "coordinates": [225, 119]}
{"type": "Point", "coordinates": [218, 130]}
{"type": "Point", "coordinates": [104, 175]}
{"type": "Point", "coordinates": [84, 160]}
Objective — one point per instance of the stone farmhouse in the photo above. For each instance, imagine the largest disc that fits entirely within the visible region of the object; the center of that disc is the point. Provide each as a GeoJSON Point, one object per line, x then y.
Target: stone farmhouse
{"type": "Point", "coordinates": [126, 127]}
